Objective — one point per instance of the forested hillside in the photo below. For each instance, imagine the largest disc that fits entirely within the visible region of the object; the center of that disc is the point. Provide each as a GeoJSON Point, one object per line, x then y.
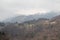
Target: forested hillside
{"type": "Point", "coordinates": [41, 29]}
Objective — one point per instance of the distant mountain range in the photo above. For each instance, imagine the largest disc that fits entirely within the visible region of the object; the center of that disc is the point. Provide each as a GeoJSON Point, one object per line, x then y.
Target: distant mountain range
{"type": "Point", "coordinates": [23, 18]}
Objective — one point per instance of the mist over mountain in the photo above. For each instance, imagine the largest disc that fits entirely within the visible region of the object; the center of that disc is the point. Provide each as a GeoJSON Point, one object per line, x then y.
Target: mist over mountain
{"type": "Point", "coordinates": [23, 18]}
{"type": "Point", "coordinates": [44, 29]}
{"type": "Point", "coordinates": [29, 19]}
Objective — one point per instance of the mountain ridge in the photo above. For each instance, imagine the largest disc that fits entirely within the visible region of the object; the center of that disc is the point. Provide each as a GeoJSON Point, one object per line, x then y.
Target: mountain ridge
{"type": "Point", "coordinates": [24, 18]}
{"type": "Point", "coordinates": [41, 29]}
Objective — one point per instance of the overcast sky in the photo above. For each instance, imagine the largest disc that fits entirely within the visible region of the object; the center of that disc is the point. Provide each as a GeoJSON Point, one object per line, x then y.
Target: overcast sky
{"type": "Point", "coordinates": [10, 8]}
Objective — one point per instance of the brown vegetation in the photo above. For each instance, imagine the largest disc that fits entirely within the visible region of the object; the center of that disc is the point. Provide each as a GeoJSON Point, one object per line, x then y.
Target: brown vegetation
{"type": "Point", "coordinates": [42, 29]}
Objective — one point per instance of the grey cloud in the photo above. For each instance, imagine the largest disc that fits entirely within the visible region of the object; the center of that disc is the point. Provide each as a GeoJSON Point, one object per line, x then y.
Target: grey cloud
{"type": "Point", "coordinates": [9, 7]}
{"type": "Point", "coordinates": [22, 4]}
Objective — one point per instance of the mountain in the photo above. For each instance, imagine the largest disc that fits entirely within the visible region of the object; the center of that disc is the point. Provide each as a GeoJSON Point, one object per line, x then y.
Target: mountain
{"type": "Point", "coordinates": [23, 18]}
{"type": "Point", "coordinates": [41, 29]}
{"type": "Point", "coordinates": [56, 18]}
